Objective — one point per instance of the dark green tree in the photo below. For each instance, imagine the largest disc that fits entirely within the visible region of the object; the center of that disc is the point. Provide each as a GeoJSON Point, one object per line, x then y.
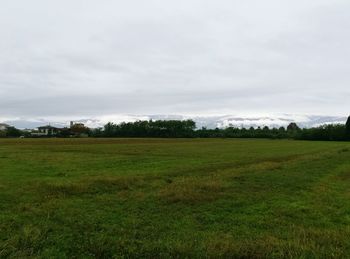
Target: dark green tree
{"type": "Point", "coordinates": [347, 128]}
{"type": "Point", "coordinates": [13, 132]}
{"type": "Point", "coordinates": [293, 127]}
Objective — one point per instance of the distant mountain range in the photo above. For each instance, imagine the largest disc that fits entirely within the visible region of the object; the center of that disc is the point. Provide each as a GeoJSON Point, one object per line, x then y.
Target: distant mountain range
{"type": "Point", "coordinates": [306, 121]}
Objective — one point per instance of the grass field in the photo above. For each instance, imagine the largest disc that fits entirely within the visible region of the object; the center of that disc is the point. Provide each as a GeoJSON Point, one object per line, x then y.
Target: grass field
{"type": "Point", "coordinates": [161, 198]}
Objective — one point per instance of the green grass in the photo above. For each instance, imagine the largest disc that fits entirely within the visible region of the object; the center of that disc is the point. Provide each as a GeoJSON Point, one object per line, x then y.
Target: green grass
{"type": "Point", "coordinates": [184, 198]}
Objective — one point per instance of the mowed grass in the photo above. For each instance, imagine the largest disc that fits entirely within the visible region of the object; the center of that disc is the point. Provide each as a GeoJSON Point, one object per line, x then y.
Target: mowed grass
{"type": "Point", "coordinates": [174, 198]}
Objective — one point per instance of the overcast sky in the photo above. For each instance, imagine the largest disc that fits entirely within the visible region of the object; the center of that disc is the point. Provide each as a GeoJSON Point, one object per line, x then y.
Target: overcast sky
{"type": "Point", "coordinates": [92, 58]}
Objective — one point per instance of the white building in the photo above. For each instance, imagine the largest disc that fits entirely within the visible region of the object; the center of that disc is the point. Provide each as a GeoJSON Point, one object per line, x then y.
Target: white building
{"type": "Point", "coordinates": [3, 126]}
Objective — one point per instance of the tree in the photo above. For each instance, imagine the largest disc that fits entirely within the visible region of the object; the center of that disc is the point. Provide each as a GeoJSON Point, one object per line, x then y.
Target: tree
{"type": "Point", "coordinates": [2, 134]}
{"type": "Point", "coordinates": [13, 132]}
{"type": "Point", "coordinates": [347, 127]}
{"type": "Point", "coordinates": [293, 127]}
{"type": "Point", "coordinates": [79, 129]}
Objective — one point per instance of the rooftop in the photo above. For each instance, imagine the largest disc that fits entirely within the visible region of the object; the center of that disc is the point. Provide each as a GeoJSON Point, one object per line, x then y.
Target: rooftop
{"type": "Point", "coordinates": [47, 127]}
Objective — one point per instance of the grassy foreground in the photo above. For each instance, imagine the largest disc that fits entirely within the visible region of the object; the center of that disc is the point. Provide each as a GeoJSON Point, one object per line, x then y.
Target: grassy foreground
{"type": "Point", "coordinates": [105, 198]}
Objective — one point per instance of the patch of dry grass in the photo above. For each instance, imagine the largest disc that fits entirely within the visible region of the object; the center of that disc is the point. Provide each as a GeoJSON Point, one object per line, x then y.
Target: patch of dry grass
{"type": "Point", "coordinates": [192, 190]}
{"type": "Point", "coordinates": [28, 242]}
{"type": "Point", "coordinates": [89, 186]}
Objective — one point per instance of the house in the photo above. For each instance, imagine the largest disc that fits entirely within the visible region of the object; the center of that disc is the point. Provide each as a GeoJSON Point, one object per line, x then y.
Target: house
{"type": "Point", "coordinates": [46, 131]}
{"type": "Point", "coordinates": [75, 130]}
{"type": "Point", "coordinates": [4, 126]}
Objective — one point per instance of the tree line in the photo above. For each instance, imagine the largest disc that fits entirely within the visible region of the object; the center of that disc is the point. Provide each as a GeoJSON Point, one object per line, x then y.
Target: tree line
{"type": "Point", "coordinates": [187, 129]}
{"type": "Point", "coordinates": [154, 129]}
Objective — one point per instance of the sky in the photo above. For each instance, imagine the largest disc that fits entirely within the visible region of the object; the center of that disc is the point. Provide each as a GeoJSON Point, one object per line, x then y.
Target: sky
{"type": "Point", "coordinates": [83, 58]}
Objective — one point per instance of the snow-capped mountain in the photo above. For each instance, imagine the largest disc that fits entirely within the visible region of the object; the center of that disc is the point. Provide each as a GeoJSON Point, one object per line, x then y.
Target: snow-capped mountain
{"type": "Point", "coordinates": [201, 121]}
